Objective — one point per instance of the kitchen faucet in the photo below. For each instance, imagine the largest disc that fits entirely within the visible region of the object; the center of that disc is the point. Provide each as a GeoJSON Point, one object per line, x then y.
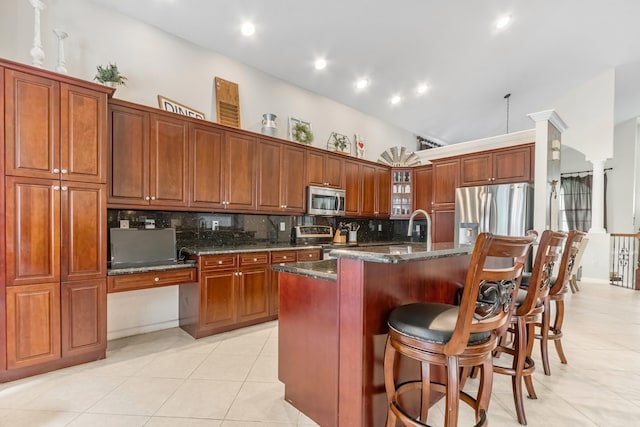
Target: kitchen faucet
{"type": "Point", "coordinates": [427, 232]}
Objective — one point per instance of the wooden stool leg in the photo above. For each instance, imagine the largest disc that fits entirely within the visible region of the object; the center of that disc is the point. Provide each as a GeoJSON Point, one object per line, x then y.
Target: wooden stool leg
{"type": "Point", "coordinates": [520, 347]}
{"type": "Point", "coordinates": [544, 337]}
{"type": "Point", "coordinates": [484, 389]}
{"type": "Point", "coordinates": [425, 392]}
{"type": "Point", "coordinates": [557, 329]}
{"type": "Point", "coordinates": [389, 382]}
{"type": "Point", "coordinates": [527, 378]}
{"type": "Point", "coordinates": [453, 392]}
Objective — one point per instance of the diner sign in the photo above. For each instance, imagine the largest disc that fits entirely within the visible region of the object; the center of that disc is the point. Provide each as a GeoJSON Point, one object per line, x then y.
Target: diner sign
{"type": "Point", "coordinates": [167, 104]}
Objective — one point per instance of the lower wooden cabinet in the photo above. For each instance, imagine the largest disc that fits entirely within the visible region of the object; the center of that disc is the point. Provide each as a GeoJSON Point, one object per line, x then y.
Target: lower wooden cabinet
{"type": "Point", "coordinates": [83, 317]}
{"type": "Point", "coordinates": [33, 324]}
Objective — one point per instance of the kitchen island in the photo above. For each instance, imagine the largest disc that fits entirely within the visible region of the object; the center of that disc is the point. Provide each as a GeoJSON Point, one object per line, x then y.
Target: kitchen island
{"type": "Point", "coordinates": [332, 324]}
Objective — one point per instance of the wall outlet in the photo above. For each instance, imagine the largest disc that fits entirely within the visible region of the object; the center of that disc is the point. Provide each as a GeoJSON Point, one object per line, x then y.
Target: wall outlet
{"type": "Point", "coordinates": [417, 228]}
{"type": "Point", "coordinates": [124, 223]}
{"type": "Point", "coordinates": [149, 223]}
{"type": "Point", "coordinates": [379, 227]}
{"type": "Point", "coordinates": [283, 226]}
{"type": "Point", "coordinates": [215, 225]}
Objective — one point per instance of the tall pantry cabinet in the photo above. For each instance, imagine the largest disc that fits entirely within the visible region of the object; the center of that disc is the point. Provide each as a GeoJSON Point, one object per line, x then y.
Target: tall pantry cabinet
{"type": "Point", "coordinates": [53, 284]}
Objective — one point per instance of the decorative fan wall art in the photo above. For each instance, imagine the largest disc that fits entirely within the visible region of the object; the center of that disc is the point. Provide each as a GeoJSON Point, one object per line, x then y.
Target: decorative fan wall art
{"type": "Point", "coordinates": [398, 157]}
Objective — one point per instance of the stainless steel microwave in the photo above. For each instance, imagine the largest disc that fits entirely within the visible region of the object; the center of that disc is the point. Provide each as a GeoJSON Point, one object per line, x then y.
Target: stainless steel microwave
{"type": "Point", "coordinates": [325, 201]}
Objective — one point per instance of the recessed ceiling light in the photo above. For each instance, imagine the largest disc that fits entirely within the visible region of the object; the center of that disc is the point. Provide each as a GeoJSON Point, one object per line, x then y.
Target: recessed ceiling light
{"type": "Point", "coordinates": [503, 22]}
{"type": "Point", "coordinates": [320, 63]}
{"type": "Point", "coordinates": [248, 29]}
{"type": "Point", "coordinates": [362, 83]}
{"type": "Point", "coordinates": [395, 99]}
{"type": "Point", "coordinates": [422, 89]}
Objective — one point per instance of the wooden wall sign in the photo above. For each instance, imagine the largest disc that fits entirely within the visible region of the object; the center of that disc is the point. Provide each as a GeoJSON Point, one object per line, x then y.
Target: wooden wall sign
{"type": "Point", "coordinates": [227, 102]}
{"type": "Point", "coordinates": [167, 104]}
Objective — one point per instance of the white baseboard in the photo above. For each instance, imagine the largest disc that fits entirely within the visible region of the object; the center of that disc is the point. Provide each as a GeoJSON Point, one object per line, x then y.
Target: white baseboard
{"type": "Point", "coordinates": [142, 329]}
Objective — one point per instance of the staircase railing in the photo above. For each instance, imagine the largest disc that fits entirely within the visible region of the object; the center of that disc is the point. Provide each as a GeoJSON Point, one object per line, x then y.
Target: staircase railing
{"type": "Point", "coordinates": [624, 263]}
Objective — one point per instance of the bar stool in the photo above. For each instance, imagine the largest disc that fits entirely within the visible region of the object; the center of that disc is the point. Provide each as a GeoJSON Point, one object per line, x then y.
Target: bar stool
{"type": "Point", "coordinates": [528, 308]}
{"type": "Point", "coordinates": [558, 288]}
{"type": "Point", "coordinates": [456, 338]}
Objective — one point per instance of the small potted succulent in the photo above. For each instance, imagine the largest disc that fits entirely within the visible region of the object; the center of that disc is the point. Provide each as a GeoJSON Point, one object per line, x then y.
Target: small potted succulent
{"type": "Point", "coordinates": [109, 75]}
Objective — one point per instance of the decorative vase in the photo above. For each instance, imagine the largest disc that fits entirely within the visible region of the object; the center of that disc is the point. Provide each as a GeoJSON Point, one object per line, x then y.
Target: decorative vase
{"type": "Point", "coordinates": [269, 126]}
{"type": "Point", "coordinates": [62, 63]}
{"type": "Point", "coordinates": [36, 52]}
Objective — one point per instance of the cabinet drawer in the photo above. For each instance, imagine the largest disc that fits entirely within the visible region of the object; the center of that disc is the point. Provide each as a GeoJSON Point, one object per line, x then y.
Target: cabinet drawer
{"type": "Point", "coordinates": [254, 258]}
{"type": "Point", "coordinates": [130, 282]}
{"type": "Point", "coordinates": [308, 255]}
{"type": "Point", "coordinates": [218, 261]}
{"type": "Point", "coordinates": [278, 257]}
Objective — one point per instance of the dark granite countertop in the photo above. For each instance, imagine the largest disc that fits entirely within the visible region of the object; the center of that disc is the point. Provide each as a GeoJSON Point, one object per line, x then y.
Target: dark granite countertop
{"type": "Point", "coordinates": [150, 268]}
{"type": "Point", "coordinates": [231, 249]}
{"type": "Point", "coordinates": [402, 252]}
{"type": "Point", "coordinates": [323, 270]}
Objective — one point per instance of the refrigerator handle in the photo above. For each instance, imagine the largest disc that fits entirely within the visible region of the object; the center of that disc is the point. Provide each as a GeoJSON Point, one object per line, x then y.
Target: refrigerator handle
{"type": "Point", "coordinates": [483, 214]}
{"type": "Point", "coordinates": [488, 200]}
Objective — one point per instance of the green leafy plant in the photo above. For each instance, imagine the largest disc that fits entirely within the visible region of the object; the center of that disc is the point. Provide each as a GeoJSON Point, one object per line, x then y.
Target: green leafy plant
{"type": "Point", "coordinates": [340, 142]}
{"type": "Point", "coordinates": [109, 73]}
{"type": "Point", "coordinates": [302, 133]}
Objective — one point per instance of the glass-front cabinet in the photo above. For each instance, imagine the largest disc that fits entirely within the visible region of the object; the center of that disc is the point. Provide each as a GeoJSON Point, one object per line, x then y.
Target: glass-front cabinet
{"type": "Point", "coordinates": [401, 193]}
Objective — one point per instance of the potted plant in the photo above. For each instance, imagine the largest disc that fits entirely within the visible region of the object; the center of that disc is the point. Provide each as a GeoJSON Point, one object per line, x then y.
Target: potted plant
{"type": "Point", "coordinates": [109, 75]}
{"type": "Point", "coordinates": [340, 142]}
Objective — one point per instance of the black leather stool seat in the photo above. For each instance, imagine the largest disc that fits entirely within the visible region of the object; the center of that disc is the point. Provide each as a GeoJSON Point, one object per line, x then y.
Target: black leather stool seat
{"type": "Point", "coordinates": [431, 322]}
{"type": "Point", "coordinates": [526, 278]}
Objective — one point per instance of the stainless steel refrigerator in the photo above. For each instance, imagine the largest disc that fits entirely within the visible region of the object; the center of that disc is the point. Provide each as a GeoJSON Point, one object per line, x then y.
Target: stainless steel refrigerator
{"type": "Point", "coordinates": [505, 209]}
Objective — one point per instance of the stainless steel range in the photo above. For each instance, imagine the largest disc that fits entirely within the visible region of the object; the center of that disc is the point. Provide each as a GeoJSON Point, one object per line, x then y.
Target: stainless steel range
{"type": "Point", "coordinates": [314, 235]}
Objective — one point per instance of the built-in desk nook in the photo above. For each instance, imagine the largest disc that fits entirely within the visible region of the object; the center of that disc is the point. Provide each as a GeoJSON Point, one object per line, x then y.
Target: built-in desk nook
{"type": "Point", "coordinates": [332, 323]}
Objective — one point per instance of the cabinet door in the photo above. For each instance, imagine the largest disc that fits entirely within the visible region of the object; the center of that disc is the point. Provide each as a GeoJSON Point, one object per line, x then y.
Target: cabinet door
{"type": "Point", "coordinates": [333, 171]}
{"type": "Point", "coordinates": [383, 183]}
{"type": "Point", "coordinates": [83, 317]}
{"type": "Point", "coordinates": [368, 194]}
{"type": "Point", "coordinates": [352, 186]}
{"type": "Point", "coordinates": [205, 153]}
{"type": "Point", "coordinates": [32, 231]}
{"type": "Point", "coordinates": [476, 169]}
{"type": "Point", "coordinates": [445, 182]}
{"type": "Point", "coordinates": [169, 161]}
{"type": "Point", "coordinates": [269, 176]}
{"type": "Point", "coordinates": [292, 179]}
{"type": "Point", "coordinates": [443, 223]}
{"type": "Point", "coordinates": [32, 133]}
{"type": "Point", "coordinates": [217, 299]}
{"type": "Point", "coordinates": [33, 324]}
{"type": "Point", "coordinates": [315, 168]}
{"type": "Point", "coordinates": [84, 231]}
{"type": "Point", "coordinates": [128, 156]}
{"type": "Point", "coordinates": [253, 301]}
{"type": "Point", "coordinates": [240, 171]}
{"type": "Point", "coordinates": [83, 134]}
{"type": "Point", "coordinates": [423, 188]}
{"type": "Point", "coordinates": [512, 165]}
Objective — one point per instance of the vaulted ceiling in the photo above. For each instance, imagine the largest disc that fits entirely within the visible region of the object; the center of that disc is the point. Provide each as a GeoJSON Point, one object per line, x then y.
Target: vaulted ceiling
{"type": "Point", "coordinates": [548, 48]}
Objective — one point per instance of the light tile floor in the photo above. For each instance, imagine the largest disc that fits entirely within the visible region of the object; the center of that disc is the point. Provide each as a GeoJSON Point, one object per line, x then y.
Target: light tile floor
{"type": "Point", "coordinates": [168, 379]}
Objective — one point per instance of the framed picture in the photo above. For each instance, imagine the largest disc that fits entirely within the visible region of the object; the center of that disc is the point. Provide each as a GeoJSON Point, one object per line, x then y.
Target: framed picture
{"type": "Point", "coordinates": [300, 131]}
{"type": "Point", "coordinates": [167, 104]}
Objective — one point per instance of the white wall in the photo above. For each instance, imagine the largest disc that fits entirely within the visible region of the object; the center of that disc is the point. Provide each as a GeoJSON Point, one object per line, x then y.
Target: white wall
{"type": "Point", "coordinates": [157, 63]}
{"type": "Point", "coordinates": [620, 185]}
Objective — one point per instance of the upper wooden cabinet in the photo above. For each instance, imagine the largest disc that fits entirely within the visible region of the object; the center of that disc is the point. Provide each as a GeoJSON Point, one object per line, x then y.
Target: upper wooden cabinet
{"type": "Point", "coordinates": [445, 181]}
{"type": "Point", "coordinates": [367, 189]}
{"type": "Point", "coordinates": [148, 158]}
{"type": "Point", "coordinates": [205, 166]}
{"type": "Point", "coordinates": [423, 187]}
{"type": "Point", "coordinates": [281, 172]}
{"type": "Point", "coordinates": [496, 167]}
{"type": "Point", "coordinates": [324, 169]}
{"type": "Point", "coordinates": [402, 189]}
{"type": "Point", "coordinates": [239, 171]}
{"type": "Point", "coordinates": [53, 129]}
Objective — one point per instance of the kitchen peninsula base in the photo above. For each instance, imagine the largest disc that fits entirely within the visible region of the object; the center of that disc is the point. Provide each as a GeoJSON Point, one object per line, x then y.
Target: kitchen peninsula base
{"type": "Point", "coordinates": [332, 332]}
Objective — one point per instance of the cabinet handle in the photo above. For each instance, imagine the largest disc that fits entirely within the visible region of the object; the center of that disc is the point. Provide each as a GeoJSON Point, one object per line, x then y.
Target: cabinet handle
{"type": "Point", "coordinates": [255, 260]}
{"type": "Point", "coordinates": [284, 257]}
{"type": "Point", "coordinates": [56, 170]}
{"type": "Point", "coordinates": [56, 187]}
{"type": "Point", "coordinates": [63, 171]}
{"type": "Point", "coordinates": [240, 273]}
{"type": "Point", "coordinates": [64, 188]}
{"type": "Point", "coordinates": [153, 197]}
{"type": "Point", "coordinates": [147, 198]}
{"type": "Point", "coordinates": [310, 255]}
{"type": "Point", "coordinates": [156, 279]}
{"type": "Point", "coordinates": [220, 262]}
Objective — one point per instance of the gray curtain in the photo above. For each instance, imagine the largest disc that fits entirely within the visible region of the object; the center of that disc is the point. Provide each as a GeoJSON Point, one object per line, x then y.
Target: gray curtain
{"type": "Point", "coordinates": [577, 201]}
